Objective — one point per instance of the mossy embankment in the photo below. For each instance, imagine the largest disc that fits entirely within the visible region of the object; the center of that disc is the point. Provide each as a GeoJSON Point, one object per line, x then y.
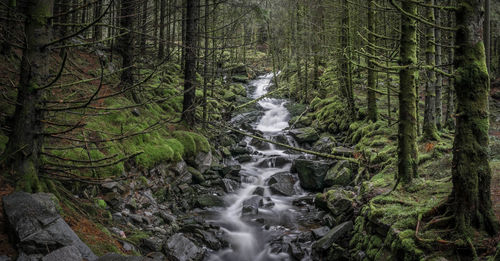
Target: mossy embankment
{"type": "Point", "coordinates": [389, 224]}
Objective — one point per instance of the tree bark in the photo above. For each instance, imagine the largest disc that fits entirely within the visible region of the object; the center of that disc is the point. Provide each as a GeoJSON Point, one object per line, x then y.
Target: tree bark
{"type": "Point", "coordinates": [345, 64]}
{"type": "Point", "coordinates": [407, 134]}
{"type": "Point", "coordinates": [471, 172]}
{"type": "Point", "coordinates": [126, 47]}
{"type": "Point", "coordinates": [26, 139]}
{"type": "Point", "coordinates": [372, 75]}
{"type": "Point", "coordinates": [188, 106]}
{"type": "Point", "coordinates": [161, 46]}
{"type": "Point", "coordinates": [429, 128]}
{"type": "Point", "coordinates": [439, 77]}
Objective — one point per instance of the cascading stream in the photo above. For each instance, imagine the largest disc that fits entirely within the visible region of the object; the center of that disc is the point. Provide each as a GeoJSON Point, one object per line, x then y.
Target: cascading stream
{"type": "Point", "coordinates": [249, 235]}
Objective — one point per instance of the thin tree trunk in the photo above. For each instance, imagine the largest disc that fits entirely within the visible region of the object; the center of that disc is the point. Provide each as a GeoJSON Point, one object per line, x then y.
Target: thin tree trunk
{"type": "Point", "coordinates": [144, 26]}
{"type": "Point", "coordinates": [429, 128]}
{"type": "Point", "coordinates": [188, 108]}
{"type": "Point", "coordinates": [372, 75]}
{"type": "Point", "coordinates": [439, 77]}
{"type": "Point", "coordinates": [407, 134]}
{"type": "Point", "coordinates": [161, 46]}
{"type": "Point", "coordinates": [205, 65]}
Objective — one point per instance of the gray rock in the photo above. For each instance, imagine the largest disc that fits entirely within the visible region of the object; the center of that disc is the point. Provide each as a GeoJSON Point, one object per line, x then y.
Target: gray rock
{"type": "Point", "coordinates": [325, 144]}
{"type": "Point", "coordinates": [338, 176]}
{"type": "Point", "coordinates": [68, 253]}
{"type": "Point", "coordinates": [259, 191]}
{"type": "Point", "coordinates": [4, 258]}
{"type": "Point", "coordinates": [231, 170]}
{"type": "Point", "coordinates": [305, 135]}
{"type": "Point", "coordinates": [203, 161]}
{"type": "Point", "coordinates": [208, 200]}
{"type": "Point", "coordinates": [282, 184]}
{"type": "Point", "coordinates": [312, 173]}
{"type": "Point", "coordinates": [152, 244]}
{"type": "Point", "coordinates": [180, 248]}
{"type": "Point", "coordinates": [229, 185]}
{"type": "Point", "coordinates": [333, 236]}
{"type": "Point", "coordinates": [339, 202]}
{"type": "Point", "coordinates": [38, 227]}
{"type": "Point", "coordinates": [320, 232]}
{"type": "Point", "coordinates": [244, 158]}
{"type": "Point", "coordinates": [260, 145]}
{"type": "Point", "coordinates": [239, 150]}
{"type": "Point", "coordinates": [251, 205]}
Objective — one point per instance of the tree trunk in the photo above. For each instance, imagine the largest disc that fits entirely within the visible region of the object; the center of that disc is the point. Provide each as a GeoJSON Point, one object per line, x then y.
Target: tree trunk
{"type": "Point", "coordinates": [429, 128]}
{"type": "Point", "coordinates": [144, 26]}
{"type": "Point", "coordinates": [407, 135]}
{"type": "Point", "coordinates": [372, 75]}
{"type": "Point", "coordinates": [161, 46]}
{"type": "Point", "coordinates": [205, 64]}
{"type": "Point", "coordinates": [26, 139]}
{"type": "Point", "coordinates": [345, 66]}
{"type": "Point", "coordinates": [126, 47]}
{"type": "Point", "coordinates": [97, 12]}
{"type": "Point", "coordinates": [439, 77]}
{"type": "Point", "coordinates": [188, 106]}
{"type": "Point", "coordinates": [471, 172]}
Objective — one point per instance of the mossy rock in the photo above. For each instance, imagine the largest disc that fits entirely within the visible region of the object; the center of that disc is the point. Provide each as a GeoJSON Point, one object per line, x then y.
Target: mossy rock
{"type": "Point", "coordinates": [305, 135]}
{"type": "Point", "coordinates": [240, 78]}
{"type": "Point", "coordinates": [208, 200]}
{"type": "Point", "coordinates": [339, 202]}
{"type": "Point", "coordinates": [198, 178]}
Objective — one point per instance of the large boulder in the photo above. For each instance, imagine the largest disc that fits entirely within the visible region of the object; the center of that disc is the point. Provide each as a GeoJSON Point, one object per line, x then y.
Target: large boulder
{"type": "Point", "coordinates": [333, 236]}
{"type": "Point", "coordinates": [305, 135]}
{"type": "Point", "coordinates": [339, 202]}
{"type": "Point", "coordinates": [203, 161]}
{"type": "Point", "coordinates": [311, 173]}
{"type": "Point", "coordinates": [180, 248]}
{"type": "Point", "coordinates": [282, 184]}
{"type": "Point", "coordinates": [340, 174]}
{"type": "Point", "coordinates": [39, 230]}
{"type": "Point", "coordinates": [251, 205]}
{"type": "Point", "coordinates": [325, 144]}
{"type": "Point", "coordinates": [209, 200]}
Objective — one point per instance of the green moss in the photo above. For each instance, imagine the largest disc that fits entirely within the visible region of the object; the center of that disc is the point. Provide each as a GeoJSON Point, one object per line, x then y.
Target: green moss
{"type": "Point", "coordinates": [101, 204]}
{"type": "Point", "coordinates": [187, 142]}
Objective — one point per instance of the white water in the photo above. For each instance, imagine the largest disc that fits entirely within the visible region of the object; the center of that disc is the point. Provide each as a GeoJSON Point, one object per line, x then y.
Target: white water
{"type": "Point", "coordinates": [249, 239]}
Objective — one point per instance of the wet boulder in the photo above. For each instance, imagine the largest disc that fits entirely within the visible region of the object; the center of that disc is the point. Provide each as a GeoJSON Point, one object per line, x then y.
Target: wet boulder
{"type": "Point", "coordinates": [251, 205]}
{"type": "Point", "coordinates": [203, 161]}
{"type": "Point", "coordinates": [229, 185]}
{"type": "Point", "coordinates": [260, 145]}
{"type": "Point", "coordinates": [311, 173]}
{"type": "Point", "coordinates": [259, 191]}
{"type": "Point", "coordinates": [282, 184]}
{"type": "Point", "coordinates": [39, 230]}
{"type": "Point", "coordinates": [209, 200]}
{"type": "Point", "coordinates": [305, 135]}
{"type": "Point", "coordinates": [325, 144]}
{"type": "Point", "coordinates": [338, 202]}
{"type": "Point", "coordinates": [334, 236]}
{"type": "Point", "coordinates": [180, 248]}
{"type": "Point", "coordinates": [340, 174]}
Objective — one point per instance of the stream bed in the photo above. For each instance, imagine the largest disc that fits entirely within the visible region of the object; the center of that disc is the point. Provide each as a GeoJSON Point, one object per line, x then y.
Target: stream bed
{"type": "Point", "coordinates": [270, 216]}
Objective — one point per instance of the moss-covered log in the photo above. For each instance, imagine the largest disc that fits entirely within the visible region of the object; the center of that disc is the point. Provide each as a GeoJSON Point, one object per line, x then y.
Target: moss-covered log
{"type": "Point", "coordinates": [471, 200]}
{"type": "Point", "coordinates": [407, 135]}
{"type": "Point", "coordinates": [26, 139]}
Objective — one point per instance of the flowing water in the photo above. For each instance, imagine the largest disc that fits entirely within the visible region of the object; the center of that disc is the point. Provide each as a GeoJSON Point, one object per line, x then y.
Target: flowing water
{"type": "Point", "coordinates": [251, 236]}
